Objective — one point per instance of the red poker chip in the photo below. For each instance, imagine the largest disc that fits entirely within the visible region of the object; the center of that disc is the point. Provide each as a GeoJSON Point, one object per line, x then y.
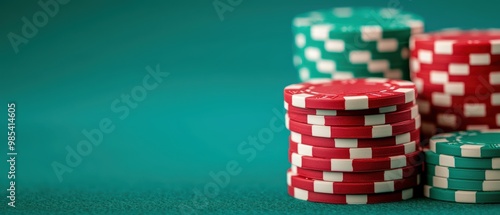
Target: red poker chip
{"type": "Point", "coordinates": [355, 142]}
{"type": "Point", "coordinates": [374, 131]}
{"type": "Point", "coordinates": [439, 99]}
{"type": "Point", "coordinates": [354, 177]}
{"type": "Point", "coordinates": [454, 68]}
{"type": "Point", "coordinates": [456, 121]}
{"type": "Point", "coordinates": [465, 110]}
{"type": "Point", "coordinates": [351, 199]}
{"type": "Point", "coordinates": [320, 186]}
{"type": "Point", "coordinates": [458, 42]}
{"type": "Point", "coordinates": [429, 57]}
{"type": "Point", "coordinates": [454, 88]}
{"type": "Point", "coordinates": [356, 165]}
{"type": "Point", "coordinates": [483, 80]}
{"type": "Point", "coordinates": [360, 120]}
{"type": "Point", "coordinates": [351, 94]}
{"type": "Point", "coordinates": [352, 153]}
{"type": "Point", "coordinates": [432, 128]}
{"type": "Point", "coordinates": [324, 112]}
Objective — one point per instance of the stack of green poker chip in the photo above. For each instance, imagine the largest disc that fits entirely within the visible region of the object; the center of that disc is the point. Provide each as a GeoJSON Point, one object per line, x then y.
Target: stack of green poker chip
{"type": "Point", "coordinates": [342, 43]}
{"type": "Point", "coordinates": [464, 167]}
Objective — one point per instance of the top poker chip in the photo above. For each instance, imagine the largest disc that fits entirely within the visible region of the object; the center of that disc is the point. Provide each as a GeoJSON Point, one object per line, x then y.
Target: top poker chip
{"type": "Point", "coordinates": [458, 42]}
{"type": "Point", "coordinates": [371, 23]}
{"type": "Point", "coordinates": [351, 94]}
{"type": "Point", "coordinates": [480, 144]}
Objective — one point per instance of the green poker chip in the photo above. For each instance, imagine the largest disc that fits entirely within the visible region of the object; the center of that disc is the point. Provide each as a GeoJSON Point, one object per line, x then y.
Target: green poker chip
{"type": "Point", "coordinates": [461, 184]}
{"type": "Point", "coordinates": [461, 162]}
{"type": "Point", "coordinates": [458, 173]}
{"type": "Point", "coordinates": [461, 196]}
{"type": "Point", "coordinates": [479, 144]}
{"type": "Point", "coordinates": [368, 23]}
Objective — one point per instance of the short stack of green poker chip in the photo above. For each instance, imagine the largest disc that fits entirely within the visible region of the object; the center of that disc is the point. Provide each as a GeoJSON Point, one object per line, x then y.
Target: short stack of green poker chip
{"type": "Point", "coordinates": [464, 167]}
{"type": "Point", "coordinates": [343, 43]}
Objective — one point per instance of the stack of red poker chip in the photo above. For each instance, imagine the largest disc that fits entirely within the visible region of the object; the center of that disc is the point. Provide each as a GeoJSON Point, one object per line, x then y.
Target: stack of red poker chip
{"type": "Point", "coordinates": [353, 141]}
{"type": "Point", "coordinates": [457, 74]}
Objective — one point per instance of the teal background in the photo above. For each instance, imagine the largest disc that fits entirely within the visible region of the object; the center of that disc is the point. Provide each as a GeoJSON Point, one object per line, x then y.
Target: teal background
{"type": "Point", "coordinates": [225, 85]}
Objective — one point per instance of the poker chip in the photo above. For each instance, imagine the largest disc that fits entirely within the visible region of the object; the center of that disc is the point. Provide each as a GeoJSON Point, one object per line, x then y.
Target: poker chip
{"type": "Point", "coordinates": [324, 112]}
{"type": "Point", "coordinates": [351, 153]}
{"type": "Point", "coordinates": [353, 177]}
{"type": "Point", "coordinates": [353, 94]}
{"type": "Point", "coordinates": [458, 173]}
{"type": "Point", "coordinates": [458, 42]}
{"type": "Point", "coordinates": [412, 136]}
{"type": "Point", "coordinates": [356, 165]}
{"type": "Point", "coordinates": [319, 186]}
{"type": "Point", "coordinates": [350, 199]}
{"type": "Point", "coordinates": [360, 120]}
{"type": "Point", "coordinates": [342, 43]}
{"type": "Point", "coordinates": [461, 195]}
{"type": "Point", "coordinates": [457, 76]}
{"type": "Point", "coordinates": [460, 184]}
{"type": "Point", "coordinates": [461, 162]}
{"type": "Point", "coordinates": [375, 131]}
{"type": "Point", "coordinates": [474, 59]}
{"type": "Point", "coordinates": [478, 144]}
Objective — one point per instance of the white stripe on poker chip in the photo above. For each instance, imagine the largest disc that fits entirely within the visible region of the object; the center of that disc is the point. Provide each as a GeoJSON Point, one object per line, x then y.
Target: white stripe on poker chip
{"type": "Point", "coordinates": [346, 143]}
{"type": "Point", "coordinates": [333, 176]}
{"type": "Point", "coordinates": [393, 74]}
{"type": "Point", "coordinates": [326, 112]}
{"type": "Point", "coordinates": [448, 120]}
{"type": "Point", "coordinates": [387, 45]}
{"type": "Point", "coordinates": [378, 65]}
{"type": "Point", "coordinates": [495, 163]}
{"type": "Point", "coordinates": [332, 45]}
{"type": "Point", "coordinates": [414, 65]}
{"type": "Point", "coordinates": [474, 110]}
{"type": "Point", "coordinates": [438, 77]}
{"type": "Point", "coordinates": [424, 56]}
{"type": "Point", "coordinates": [322, 186]}
{"type": "Point", "coordinates": [339, 75]}
{"type": "Point", "coordinates": [299, 100]}
{"type": "Point", "coordinates": [305, 149]}
{"type": "Point", "coordinates": [382, 131]}
{"type": "Point", "coordinates": [326, 66]}
{"type": "Point", "coordinates": [491, 185]}
{"type": "Point", "coordinates": [419, 84]}
{"type": "Point", "coordinates": [465, 196]}
{"type": "Point", "coordinates": [393, 174]}
{"type": "Point", "coordinates": [424, 106]}
{"type": "Point", "coordinates": [494, 78]}
{"type": "Point", "coordinates": [360, 153]}
{"type": "Point", "coordinates": [356, 199]}
{"type": "Point", "coordinates": [407, 194]}
{"type": "Point", "coordinates": [296, 137]}
{"type": "Point", "coordinates": [300, 194]}
{"type": "Point", "coordinates": [454, 88]}
{"type": "Point", "coordinates": [492, 175]}
{"type": "Point", "coordinates": [384, 186]}
{"type": "Point", "coordinates": [320, 32]}
{"type": "Point", "coordinates": [297, 159]}
{"type": "Point", "coordinates": [441, 99]}
{"type": "Point", "coordinates": [405, 53]}
{"type": "Point", "coordinates": [446, 160]}
{"type": "Point", "coordinates": [495, 46]}
{"type": "Point", "coordinates": [458, 69]}
{"type": "Point", "coordinates": [304, 73]}
{"type": "Point", "coordinates": [479, 59]}
{"type": "Point", "coordinates": [356, 102]}
{"type": "Point", "coordinates": [403, 138]}
{"type": "Point", "coordinates": [443, 46]}
{"type": "Point", "coordinates": [388, 109]}
{"type": "Point", "coordinates": [409, 94]}
{"type": "Point", "coordinates": [360, 56]}
{"type": "Point", "coordinates": [471, 150]}
{"type": "Point", "coordinates": [341, 165]}
{"type": "Point", "coordinates": [312, 53]}
{"type": "Point", "coordinates": [300, 40]}
{"type": "Point", "coordinates": [442, 171]}
{"type": "Point", "coordinates": [375, 119]}
{"type": "Point", "coordinates": [495, 99]}
{"type": "Point", "coordinates": [371, 33]}
{"type": "Point", "coordinates": [398, 161]}
{"type": "Point", "coordinates": [440, 182]}
{"type": "Point", "coordinates": [320, 131]}
{"type": "Point", "coordinates": [289, 178]}
{"type": "Point", "coordinates": [315, 120]}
